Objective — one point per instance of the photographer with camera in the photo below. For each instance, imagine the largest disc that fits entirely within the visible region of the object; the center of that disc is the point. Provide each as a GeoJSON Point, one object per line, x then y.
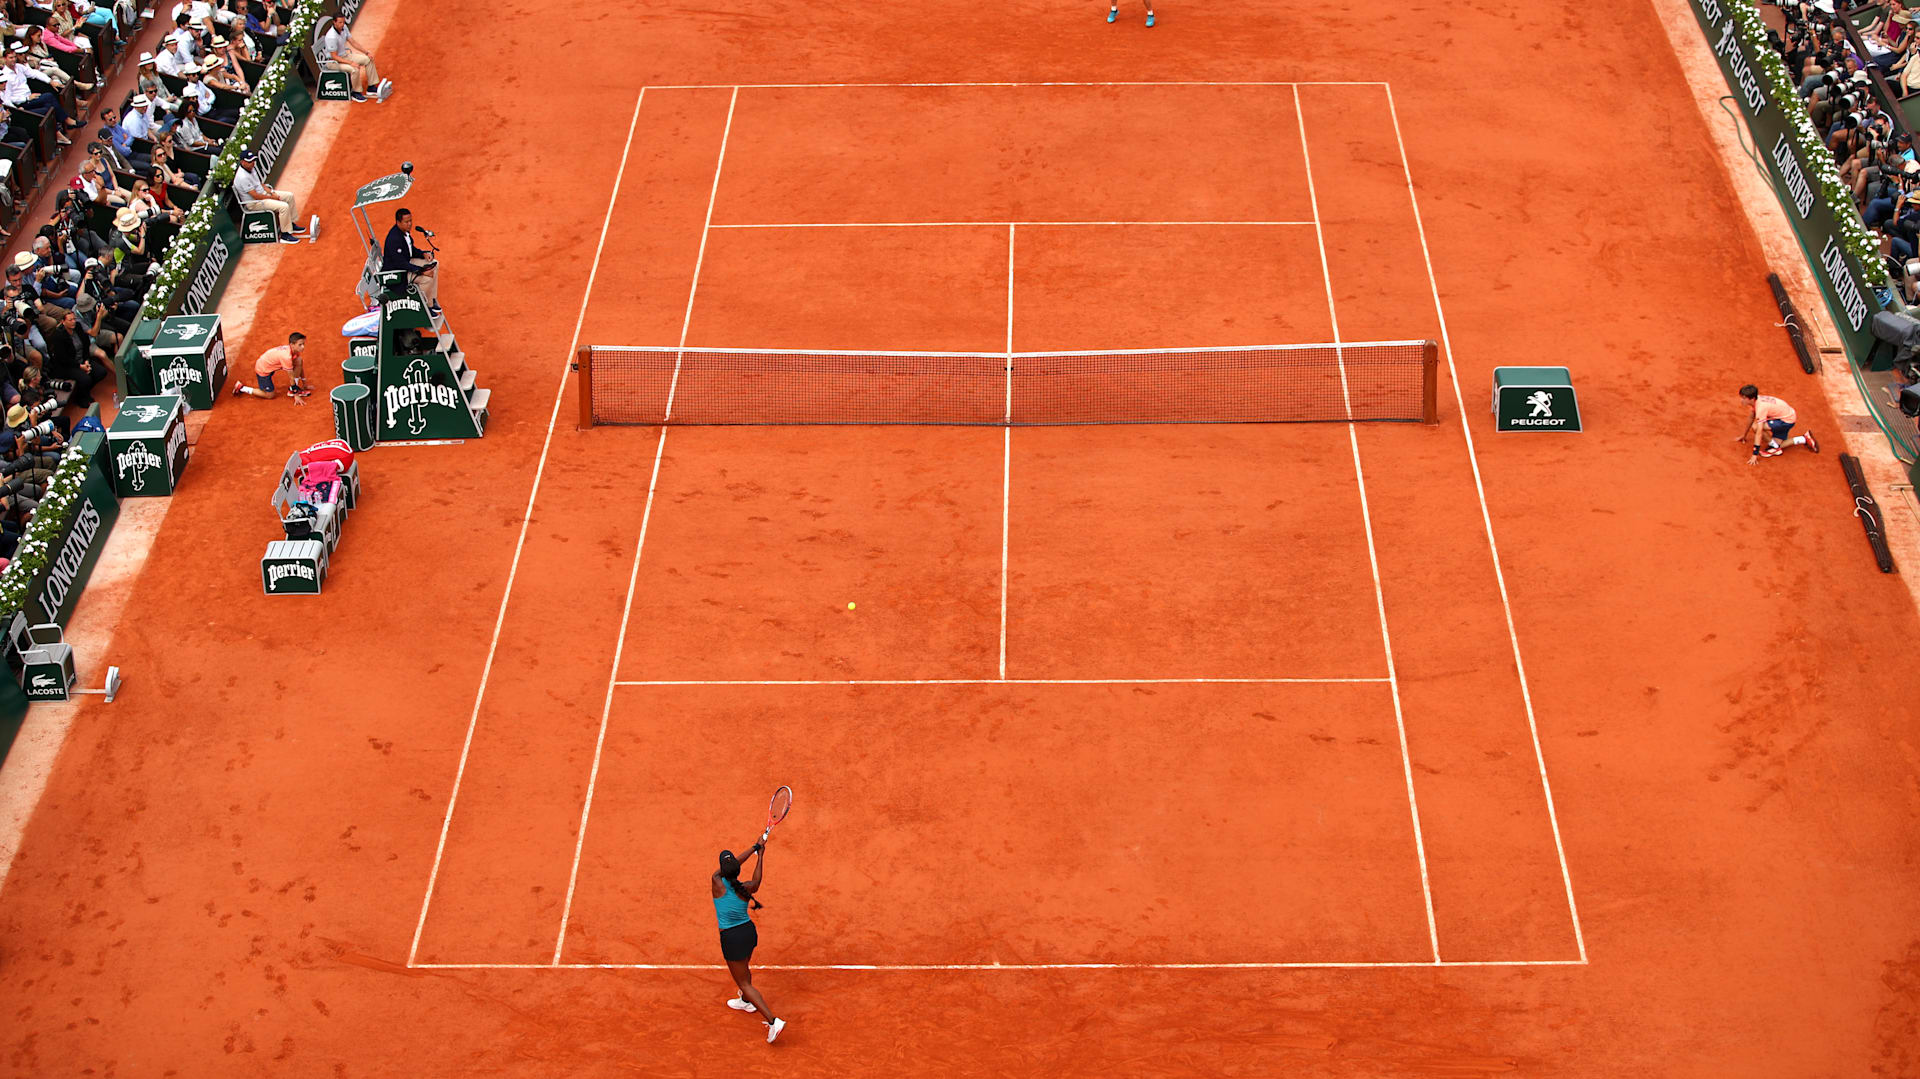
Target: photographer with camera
{"type": "Point", "coordinates": [106, 310]}
{"type": "Point", "coordinates": [30, 451]}
{"type": "Point", "coordinates": [47, 285]}
{"type": "Point", "coordinates": [15, 349]}
{"type": "Point", "coordinates": [1872, 171]}
{"type": "Point", "coordinates": [70, 228]}
{"type": "Point", "coordinates": [32, 392]}
{"type": "Point", "coordinates": [17, 315]}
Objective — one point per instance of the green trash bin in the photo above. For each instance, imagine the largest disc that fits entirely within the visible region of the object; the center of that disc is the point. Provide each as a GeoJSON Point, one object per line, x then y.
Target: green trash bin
{"type": "Point", "coordinates": [353, 415]}
{"type": "Point", "coordinates": [360, 369]}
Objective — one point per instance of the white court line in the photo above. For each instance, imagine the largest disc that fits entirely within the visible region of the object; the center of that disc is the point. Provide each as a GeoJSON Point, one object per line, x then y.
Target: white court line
{"type": "Point", "coordinates": [1373, 557]}
{"type": "Point", "coordinates": [1013, 682]}
{"type": "Point", "coordinates": [1295, 347]}
{"type": "Point", "coordinates": [1006, 462]}
{"type": "Point", "coordinates": [1486, 520]}
{"type": "Point", "coordinates": [633, 574]}
{"type": "Point", "coordinates": [526, 519]}
{"type": "Point", "coordinates": [993, 224]}
{"type": "Point", "coordinates": [912, 967]}
{"type": "Point", "coordinates": [962, 85]}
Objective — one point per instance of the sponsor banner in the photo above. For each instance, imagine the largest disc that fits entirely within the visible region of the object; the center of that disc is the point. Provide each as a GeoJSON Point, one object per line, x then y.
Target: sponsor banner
{"type": "Point", "coordinates": [1536, 408]}
{"type": "Point", "coordinates": [258, 227]}
{"type": "Point", "coordinates": [280, 571]}
{"type": "Point", "coordinates": [210, 276]}
{"type": "Point", "coordinates": [335, 85]}
{"type": "Point", "coordinates": [45, 682]}
{"type": "Point", "coordinates": [282, 128]}
{"type": "Point", "coordinates": [52, 597]}
{"type": "Point", "coordinates": [408, 405]}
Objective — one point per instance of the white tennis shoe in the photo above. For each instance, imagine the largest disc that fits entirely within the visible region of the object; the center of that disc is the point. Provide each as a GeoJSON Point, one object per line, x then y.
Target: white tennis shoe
{"type": "Point", "coordinates": [739, 1005]}
{"type": "Point", "coordinates": [774, 1028]}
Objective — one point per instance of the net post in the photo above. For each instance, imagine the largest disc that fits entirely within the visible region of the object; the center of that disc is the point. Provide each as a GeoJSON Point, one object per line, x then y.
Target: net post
{"type": "Point", "coordinates": [583, 363]}
{"type": "Point", "coordinates": [1429, 382]}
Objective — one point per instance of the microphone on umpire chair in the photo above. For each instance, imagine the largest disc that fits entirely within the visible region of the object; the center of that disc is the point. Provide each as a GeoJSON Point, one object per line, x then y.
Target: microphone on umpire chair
{"type": "Point", "coordinates": [427, 232]}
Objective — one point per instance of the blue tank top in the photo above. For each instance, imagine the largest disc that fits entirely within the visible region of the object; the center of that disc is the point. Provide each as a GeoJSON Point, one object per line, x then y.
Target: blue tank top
{"type": "Point", "coordinates": [730, 906]}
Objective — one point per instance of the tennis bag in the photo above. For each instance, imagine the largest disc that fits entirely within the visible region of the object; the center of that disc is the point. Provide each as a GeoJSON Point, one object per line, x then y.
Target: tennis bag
{"type": "Point", "coordinates": [302, 521]}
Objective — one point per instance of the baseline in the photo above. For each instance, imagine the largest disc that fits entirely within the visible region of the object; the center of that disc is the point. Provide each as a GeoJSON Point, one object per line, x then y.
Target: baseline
{"type": "Point", "coordinates": [912, 967]}
{"type": "Point", "coordinates": [990, 224]}
{"type": "Point", "coordinates": [1011, 682]}
{"type": "Point", "coordinates": [903, 85]}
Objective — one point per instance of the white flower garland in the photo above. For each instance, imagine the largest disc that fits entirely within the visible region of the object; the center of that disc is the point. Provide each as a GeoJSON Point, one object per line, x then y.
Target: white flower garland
{"type": "Point", "coordinates": [49, 519]}
{"type": "Point", "coordinates": [190, 242]}
{"type": "Point", "coordinates": [1860, 242]}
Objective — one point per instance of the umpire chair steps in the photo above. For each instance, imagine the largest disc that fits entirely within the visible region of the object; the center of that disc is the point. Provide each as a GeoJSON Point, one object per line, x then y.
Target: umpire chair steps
{"type": "Point", "coordinates": [466, 377]}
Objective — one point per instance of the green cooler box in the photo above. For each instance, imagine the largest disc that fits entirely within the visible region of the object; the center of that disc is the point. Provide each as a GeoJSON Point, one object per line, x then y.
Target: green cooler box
{"type": "Point", "coordinates": [189, 358]}
{"type": "Point", "coordinates": [148, 445]}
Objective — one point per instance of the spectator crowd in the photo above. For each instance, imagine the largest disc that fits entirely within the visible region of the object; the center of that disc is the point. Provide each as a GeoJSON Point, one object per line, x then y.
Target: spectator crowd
{"type": "Point", "coordinates": [74, 292]}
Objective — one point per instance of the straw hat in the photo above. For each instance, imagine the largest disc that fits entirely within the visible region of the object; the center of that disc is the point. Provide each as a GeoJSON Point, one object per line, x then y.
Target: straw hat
{"type": "Point", "coordinates": [23, 260]}
{"type": "Point", "coordinates": [127, 219]}
{"type": "Point", "coordinates": [17, 416]}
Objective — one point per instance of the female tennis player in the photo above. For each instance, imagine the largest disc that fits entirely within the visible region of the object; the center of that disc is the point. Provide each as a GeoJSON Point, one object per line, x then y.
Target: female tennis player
{"type": "Point", "coordinates": [737, 935]}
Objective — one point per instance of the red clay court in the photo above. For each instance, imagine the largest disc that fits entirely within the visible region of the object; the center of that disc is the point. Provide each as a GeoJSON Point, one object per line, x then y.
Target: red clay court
{"type": "Point", "coordinates": [1318, 748]}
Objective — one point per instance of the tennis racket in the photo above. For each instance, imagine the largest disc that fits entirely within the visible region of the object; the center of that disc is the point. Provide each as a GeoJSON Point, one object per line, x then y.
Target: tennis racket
{"type": "Point", "coordinates": [777, 810]}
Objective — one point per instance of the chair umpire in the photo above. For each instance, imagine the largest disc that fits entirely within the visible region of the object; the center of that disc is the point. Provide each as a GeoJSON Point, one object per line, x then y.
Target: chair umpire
{"type": "Point", "coordinates": [398, 253]}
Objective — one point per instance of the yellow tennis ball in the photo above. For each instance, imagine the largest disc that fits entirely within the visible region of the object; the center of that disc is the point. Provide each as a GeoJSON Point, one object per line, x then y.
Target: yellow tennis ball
{"type": "Point", "coordinates": [849, 606]}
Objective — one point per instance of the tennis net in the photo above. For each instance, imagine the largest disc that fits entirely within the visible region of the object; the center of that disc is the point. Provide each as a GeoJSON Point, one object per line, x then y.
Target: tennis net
{"type": "Point", "coordinates": [1379, 380]}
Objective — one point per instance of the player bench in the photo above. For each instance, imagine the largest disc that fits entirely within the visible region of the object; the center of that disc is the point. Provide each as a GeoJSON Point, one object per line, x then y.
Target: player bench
{"type": "Point", "coordinates": [297, 564]}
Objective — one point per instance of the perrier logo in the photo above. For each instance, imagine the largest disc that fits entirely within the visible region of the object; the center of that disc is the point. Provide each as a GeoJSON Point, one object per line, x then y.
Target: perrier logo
{"type": "Point", "coordinates": [414, 394]}
{"type": "Point", "coordinates": [178, 373]}
{"type": "Point", "coordinates": [133, 463]}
